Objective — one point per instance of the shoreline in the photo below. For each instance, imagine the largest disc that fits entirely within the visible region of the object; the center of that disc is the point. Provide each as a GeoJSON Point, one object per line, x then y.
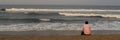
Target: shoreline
{"type": "Point", "coordinates": [58, 33]}
{"type": "Point", "coordinates": [74, 37]}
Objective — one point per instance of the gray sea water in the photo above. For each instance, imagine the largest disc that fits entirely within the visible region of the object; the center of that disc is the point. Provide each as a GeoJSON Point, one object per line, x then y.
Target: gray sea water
{"type": "Point", "coordinates": [20, 21]}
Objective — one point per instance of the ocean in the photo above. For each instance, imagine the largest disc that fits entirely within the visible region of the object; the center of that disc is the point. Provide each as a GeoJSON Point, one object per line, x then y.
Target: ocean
{"type": "Point", "coordinates": [31, 21]}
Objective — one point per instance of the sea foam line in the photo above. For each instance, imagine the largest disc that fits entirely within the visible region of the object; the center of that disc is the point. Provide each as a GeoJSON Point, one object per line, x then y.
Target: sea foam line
{"type": "Point", "coordinates": [57, 10]}
{"type": "Point", "coordinates": [90, 14]}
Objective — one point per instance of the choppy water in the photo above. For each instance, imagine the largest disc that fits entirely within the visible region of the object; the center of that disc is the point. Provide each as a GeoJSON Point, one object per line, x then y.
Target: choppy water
{"type": "Point", "coordinates": [20, 21]}
{"type": "Point", "coordinates": [98, 25]}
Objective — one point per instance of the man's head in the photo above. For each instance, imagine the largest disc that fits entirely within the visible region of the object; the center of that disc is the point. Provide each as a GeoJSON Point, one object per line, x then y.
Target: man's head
{"type": "Point", "coordinates": [86, 22]}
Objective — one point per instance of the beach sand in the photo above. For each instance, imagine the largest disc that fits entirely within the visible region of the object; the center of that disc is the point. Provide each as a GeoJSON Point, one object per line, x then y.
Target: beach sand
{"type": "Point", "coordinates": [73, 37]}
{"type": "Point", "coordinates": [59, 35]}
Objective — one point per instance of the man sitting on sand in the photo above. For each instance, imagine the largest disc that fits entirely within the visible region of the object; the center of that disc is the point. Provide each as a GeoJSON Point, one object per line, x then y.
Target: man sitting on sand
{"type": "Point", "coordinates": [86, 29]}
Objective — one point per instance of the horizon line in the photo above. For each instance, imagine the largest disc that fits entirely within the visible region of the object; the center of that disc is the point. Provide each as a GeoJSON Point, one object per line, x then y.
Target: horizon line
{"type": "Point", "coordinates": [59, 4]}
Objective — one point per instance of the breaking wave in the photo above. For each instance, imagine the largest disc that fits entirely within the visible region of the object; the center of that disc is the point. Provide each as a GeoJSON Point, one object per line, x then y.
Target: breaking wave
{"type": "Point", "coordinates": [58, 10]}
{"type": "Point", "coordinates": [91, 14]}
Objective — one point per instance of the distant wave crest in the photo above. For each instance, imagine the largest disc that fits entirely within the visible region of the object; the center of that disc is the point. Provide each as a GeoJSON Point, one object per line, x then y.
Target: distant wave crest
{"type": "Point", "coordinates": [58, 10]}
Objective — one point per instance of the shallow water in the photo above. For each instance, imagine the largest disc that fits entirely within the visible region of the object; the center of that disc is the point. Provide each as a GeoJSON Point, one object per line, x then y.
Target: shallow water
{"type": "Point", "coordinates": [98, 25]}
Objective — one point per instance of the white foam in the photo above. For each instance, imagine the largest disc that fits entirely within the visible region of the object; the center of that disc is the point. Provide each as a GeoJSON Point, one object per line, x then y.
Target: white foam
{"type": "Point", "coordinates": [90, 14]}
{"type": "Point", "coordinates": [44, 19]}
{"type": "Point", "coordinates": [58, 10]}
{"type": "Point", "coordinates": [99, 25]}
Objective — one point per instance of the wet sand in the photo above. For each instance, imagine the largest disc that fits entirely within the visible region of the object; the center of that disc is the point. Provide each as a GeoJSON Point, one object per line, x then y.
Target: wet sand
{"type": "Point", "coordinates": [59, 35]}
{"type": "Point", "coordinates": [58, 32]}
{"type": "Point", "coordinates": [73, 37]}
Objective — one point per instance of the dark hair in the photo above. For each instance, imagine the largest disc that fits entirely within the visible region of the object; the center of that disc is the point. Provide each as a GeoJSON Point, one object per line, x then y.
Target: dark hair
{"type": "Point", "coordinates": [86, 22]}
